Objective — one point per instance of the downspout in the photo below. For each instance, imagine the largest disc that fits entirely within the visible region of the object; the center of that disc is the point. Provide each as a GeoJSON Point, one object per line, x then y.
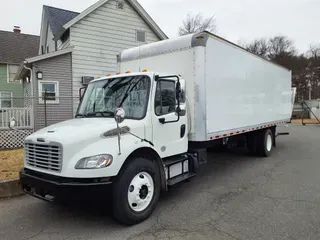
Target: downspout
{"type": "Point", "coordinates": [32, 93]}
{"type": "Point", "coordinates": [24, 65]}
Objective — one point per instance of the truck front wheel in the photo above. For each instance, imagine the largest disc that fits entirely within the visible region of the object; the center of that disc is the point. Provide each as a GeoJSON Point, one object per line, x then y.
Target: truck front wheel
{"type": "Point", "coordinates": [136, 191]}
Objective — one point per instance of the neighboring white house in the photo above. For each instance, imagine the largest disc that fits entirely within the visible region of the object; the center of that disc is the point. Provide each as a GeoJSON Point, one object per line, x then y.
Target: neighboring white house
{"type": "Point", "coordinates": [75, 47]}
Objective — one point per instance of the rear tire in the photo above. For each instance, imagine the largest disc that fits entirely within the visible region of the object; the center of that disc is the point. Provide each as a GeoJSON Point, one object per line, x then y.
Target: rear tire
{"type": "Point", "coordinates": [261, 143]}
{"type": "Point", "coordinates": [265, 143]}
{"type": "Point", "coordinates": [136, 191]}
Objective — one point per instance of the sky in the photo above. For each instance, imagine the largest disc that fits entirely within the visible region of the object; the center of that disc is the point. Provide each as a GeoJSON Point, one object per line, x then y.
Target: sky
{"type": "Point", "coordinates": [238, 21]}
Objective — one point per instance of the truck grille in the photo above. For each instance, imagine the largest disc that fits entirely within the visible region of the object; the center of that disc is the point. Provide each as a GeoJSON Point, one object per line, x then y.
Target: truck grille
{"type": "Point", "coordinates": [48, 157]}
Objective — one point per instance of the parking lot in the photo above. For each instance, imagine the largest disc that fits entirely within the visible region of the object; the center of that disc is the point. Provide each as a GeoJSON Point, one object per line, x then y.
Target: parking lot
{"type": "Point", "coordinates": [234, 197]}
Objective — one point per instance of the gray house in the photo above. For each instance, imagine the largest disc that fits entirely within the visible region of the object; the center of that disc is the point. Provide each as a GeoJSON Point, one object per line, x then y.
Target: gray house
{"type": "Point", "coordinates": [75, 47]}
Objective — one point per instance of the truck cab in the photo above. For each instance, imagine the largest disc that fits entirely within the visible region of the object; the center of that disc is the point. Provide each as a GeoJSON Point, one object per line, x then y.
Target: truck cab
{"type": "Point", "coordinates": [125, 127]}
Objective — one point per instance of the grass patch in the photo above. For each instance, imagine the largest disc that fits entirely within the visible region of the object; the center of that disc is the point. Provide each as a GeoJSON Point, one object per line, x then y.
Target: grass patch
{"type": "Point", "coordinates": [11, 161]}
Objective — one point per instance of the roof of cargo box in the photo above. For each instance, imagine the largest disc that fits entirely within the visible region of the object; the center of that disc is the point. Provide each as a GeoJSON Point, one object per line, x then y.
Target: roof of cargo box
{"type": "Point", "coordinates": [175, 45]}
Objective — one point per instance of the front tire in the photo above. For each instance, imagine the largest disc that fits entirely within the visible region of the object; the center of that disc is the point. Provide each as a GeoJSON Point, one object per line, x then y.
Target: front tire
{"type": "Point", "coordinates": [136, 191]}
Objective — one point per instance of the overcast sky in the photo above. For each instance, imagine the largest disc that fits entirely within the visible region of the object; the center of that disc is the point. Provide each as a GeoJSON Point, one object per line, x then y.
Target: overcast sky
{"type": "Point", "coordinates": [237, 20]}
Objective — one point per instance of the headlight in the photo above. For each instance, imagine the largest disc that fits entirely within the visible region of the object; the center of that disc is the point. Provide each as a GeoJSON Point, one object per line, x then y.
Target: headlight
{"type": "Point", "coordinates": [95, 162]}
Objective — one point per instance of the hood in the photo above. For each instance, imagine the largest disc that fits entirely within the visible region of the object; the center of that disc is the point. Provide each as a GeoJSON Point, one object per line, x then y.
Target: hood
{"type": "Point", "coordinates": [81, 129]}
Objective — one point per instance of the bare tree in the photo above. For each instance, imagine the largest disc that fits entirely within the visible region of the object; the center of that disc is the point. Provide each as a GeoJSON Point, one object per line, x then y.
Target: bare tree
{"type": "Point", "coordinates": [259, 47]}
{"type": "Point", "coordinates": [197, 23]}
{"type": "Point", "coordinates": [281, 46]}
{"type": "Point", "coordinates": [305, 67]}
{"type": "Point", "coordinates": [314, 51]}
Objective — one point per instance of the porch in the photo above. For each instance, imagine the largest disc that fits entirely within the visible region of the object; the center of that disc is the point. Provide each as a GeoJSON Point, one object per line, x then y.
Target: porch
{"type": "Point", "coordinates": [21, 115]}
{"type": "Point", "coordinates": [10, 139]}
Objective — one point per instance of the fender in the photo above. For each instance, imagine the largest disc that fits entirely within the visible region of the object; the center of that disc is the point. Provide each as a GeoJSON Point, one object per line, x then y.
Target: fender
{"type": "Point", "coordinates": [151, 154]}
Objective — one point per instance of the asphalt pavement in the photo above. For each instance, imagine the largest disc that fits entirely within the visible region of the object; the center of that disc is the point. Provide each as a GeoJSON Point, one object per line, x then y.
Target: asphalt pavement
{"type": "Point", "coordinates": [233, 197]}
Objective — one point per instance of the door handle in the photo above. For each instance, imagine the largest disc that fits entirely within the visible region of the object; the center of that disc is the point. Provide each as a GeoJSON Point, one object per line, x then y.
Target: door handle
{"type": "Point", "coordinates": [182, 130]}
{"type": "Point", "coordinates": [162, 120]}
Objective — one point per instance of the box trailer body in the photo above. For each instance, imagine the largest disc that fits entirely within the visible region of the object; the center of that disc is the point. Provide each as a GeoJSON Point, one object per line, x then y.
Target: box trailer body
{"type": "Point", "coordinates": [229, 89]}
{"type": "Point", "coordinates": [141, 132]}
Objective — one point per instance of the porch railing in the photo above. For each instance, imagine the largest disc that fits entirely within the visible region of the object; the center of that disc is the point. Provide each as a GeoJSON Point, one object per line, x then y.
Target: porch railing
{"type": "Point", "coordinates": [21, 115]}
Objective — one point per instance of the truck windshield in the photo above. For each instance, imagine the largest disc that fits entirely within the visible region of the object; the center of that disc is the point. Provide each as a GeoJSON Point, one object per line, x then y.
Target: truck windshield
{"type": "Point", "coordinates": [103, 97]}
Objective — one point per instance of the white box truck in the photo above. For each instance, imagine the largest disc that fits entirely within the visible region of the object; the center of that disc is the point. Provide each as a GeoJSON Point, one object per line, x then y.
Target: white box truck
{"type": "Point", "coordinates": [148, 128]}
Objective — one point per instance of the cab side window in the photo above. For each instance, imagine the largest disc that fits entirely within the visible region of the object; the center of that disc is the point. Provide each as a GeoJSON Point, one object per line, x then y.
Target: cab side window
{"type": "Point", "coordinates": [165, 100]}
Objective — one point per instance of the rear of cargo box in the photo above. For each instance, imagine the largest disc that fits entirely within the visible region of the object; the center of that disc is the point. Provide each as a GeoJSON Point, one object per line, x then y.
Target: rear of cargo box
{"type": "Point", "coordinates": [241, 89]}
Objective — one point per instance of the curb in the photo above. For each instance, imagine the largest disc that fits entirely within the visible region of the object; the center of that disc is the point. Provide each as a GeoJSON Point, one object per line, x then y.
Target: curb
{"type": "Point", "coordinates": [10, 188]}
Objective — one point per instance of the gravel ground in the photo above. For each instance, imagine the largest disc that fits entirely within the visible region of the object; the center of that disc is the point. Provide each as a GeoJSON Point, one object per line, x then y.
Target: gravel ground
{"type": "Point", "coordinates": [234, 197]}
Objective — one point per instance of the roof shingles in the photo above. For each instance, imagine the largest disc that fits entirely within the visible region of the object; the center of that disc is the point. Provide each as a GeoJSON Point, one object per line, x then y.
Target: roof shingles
{"type": "Point", "coordinates": [15, 47]}
{"type": "Point", "coordinates": [58, 17]}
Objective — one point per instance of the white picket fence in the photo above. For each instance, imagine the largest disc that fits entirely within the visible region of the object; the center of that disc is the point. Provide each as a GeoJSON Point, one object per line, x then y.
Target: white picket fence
{"type": "Point", "coordinates": [21, 115]}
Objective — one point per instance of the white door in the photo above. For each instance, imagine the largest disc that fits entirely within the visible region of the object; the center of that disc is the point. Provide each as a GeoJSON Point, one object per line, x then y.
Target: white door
{"type": "Point", "coordinates": [170, 135]}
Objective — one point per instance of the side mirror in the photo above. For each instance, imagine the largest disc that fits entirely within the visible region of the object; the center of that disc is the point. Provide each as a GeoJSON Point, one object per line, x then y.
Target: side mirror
{"type": "Point", "coordinates": [119, 115]}
{"type": "Point", "coordinates": [178, 91]}
{"type": "Point", "coordinates": [12, 123]}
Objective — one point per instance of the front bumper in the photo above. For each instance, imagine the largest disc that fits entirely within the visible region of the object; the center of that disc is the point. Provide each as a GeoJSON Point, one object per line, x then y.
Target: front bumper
{"type": "Point", "coordinates": [50, 188]}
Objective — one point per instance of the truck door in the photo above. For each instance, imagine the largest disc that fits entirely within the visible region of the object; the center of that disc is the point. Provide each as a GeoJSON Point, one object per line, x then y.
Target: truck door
{"type": "Point", "coordinates": [170, 128]}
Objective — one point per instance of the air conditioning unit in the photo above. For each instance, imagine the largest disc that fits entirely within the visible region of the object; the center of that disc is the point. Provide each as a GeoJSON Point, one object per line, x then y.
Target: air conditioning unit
{"type": "Point", "coordinates": [86, 80]}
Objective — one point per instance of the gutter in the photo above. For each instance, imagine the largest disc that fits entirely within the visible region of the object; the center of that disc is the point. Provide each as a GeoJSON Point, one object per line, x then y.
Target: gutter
{"type": "Point", "coordinates": [20, 72]}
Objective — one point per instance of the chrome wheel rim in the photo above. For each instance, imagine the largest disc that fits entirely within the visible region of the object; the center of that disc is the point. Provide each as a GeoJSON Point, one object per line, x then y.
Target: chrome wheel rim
{"type": "Point", "coordinates": [140, 192]}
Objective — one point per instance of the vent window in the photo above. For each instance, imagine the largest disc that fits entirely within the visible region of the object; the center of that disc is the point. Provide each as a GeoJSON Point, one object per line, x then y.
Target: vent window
{"type": "Point", "coordinates": [120, 5]}
{"type": "Point", "coordinates": [141, 36]}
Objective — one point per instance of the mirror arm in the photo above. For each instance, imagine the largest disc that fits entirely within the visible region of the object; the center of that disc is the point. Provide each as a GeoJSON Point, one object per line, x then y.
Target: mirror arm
{"type": "Point", "coordinates": [163, 120]}
{"type": "Point", "coordinates": [81, 95]}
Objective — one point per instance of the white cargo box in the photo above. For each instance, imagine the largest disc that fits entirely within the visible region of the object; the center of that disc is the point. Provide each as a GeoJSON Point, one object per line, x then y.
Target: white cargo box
{"type": "Point", "coordinates": [229, 90]}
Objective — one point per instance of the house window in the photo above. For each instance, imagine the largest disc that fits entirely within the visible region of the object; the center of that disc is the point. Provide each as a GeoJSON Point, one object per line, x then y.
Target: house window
{"type": "Point", "coordinates": [120, 5]}
{"type": "Point", "coordinates": [12, 72]}
{"type": "Point", "coordinates": [5, 100]}
{"type": "Point", "coordinates": [50, 89]}
{"type": "Point", "coordinates": [141, 36]}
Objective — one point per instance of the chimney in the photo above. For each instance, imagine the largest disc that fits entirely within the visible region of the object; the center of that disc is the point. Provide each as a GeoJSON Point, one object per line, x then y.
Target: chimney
{"type": "Point", "coordinates": [16, 29]}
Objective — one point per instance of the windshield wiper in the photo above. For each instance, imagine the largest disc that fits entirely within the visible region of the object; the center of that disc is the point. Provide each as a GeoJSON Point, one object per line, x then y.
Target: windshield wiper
{"type": "Point", "coordinates": [129, 90]}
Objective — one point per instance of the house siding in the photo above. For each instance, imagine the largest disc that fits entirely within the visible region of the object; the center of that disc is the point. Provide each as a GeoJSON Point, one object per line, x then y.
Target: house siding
{"type": "Point", "coordinates": [63, 45]}
{"type": "Point", "coordinates": [50, 43]}
{"type": "Point", "coordinates": [100, 37]}
{"type": "Point", "coordinates": [14, 88]}
{"type": "Point", "coordinates": [54, 69]}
